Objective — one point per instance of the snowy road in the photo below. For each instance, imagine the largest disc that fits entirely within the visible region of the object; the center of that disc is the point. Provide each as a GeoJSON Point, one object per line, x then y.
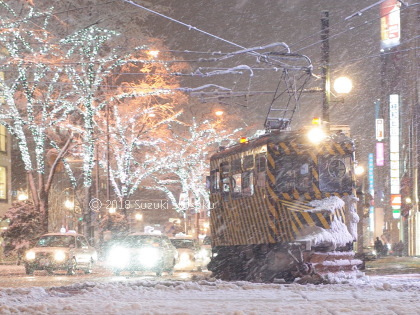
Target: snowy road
{"type": "Point", "coordinates": [13, 276]}
{"type": "Point", "coordinates": [186, 293]}
{"type": "Point", "coordinates": [363, 295]}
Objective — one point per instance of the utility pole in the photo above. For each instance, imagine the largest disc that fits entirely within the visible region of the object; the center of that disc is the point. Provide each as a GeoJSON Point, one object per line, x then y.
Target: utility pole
{"type": "Point", "coordinates": [325, 62]}
{"type": "Point", "coordinates": [108, 188]}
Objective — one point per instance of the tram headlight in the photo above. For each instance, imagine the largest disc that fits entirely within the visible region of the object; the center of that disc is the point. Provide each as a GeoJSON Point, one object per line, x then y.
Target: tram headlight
{"type": "Point", "coordinates": [316, 135]}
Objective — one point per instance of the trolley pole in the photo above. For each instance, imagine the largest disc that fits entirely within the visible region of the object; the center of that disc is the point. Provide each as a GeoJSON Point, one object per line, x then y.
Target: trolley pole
{"type": "Point", "coordinates": [325, 63]}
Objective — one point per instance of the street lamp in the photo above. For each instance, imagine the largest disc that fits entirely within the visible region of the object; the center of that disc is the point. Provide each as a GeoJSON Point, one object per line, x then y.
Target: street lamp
{"type": "Point", "coordinates": [22, 196]}
{"type": "Point", "coordinates": [69, 204]}
{"type": "Point", "coordinates": [359, 170]}
{"type": "Point", "coordinates": [219, 113]}
{"type": "Point", "coordinates": [343, 85]}
{"type": "Point", "coordinates": [153, 53]}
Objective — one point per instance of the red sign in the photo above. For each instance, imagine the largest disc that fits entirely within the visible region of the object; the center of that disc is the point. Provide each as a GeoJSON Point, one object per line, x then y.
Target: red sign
{"type": "Point", "coordinates": [395, 200]}
{"type": "Point", "coordinates": [390, 23]}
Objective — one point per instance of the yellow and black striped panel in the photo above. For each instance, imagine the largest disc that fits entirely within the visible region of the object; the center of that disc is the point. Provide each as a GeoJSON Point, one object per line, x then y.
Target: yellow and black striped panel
{"type": "Point", "coordinates": [242, 221]}
{"type": "Point", "coordinates": [303, 216]}
{"type": "Point", "coordinates": [283, 219]}
{"type": "Point", "coordinates": [339, 215]}
{"type": "Point", "coordinates": [269, 216]}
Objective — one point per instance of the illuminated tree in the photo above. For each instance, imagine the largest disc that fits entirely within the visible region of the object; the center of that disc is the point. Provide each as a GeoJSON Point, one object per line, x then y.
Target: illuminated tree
{"type": "Point", "coordinates": [140, 109]}
{"type": "Point", "coordinates": [55, 93]}
{"type": "Point", "coordinates": [185, 171]}
{"type": "Point", "coordinates": [36, 102]}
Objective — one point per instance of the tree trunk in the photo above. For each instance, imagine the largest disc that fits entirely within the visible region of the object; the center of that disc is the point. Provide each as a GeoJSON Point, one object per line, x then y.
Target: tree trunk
{"type": "Point", "coordinates": [39, 198]}
{"type": "Point", "coordinates": [87, 216]}
{"type": "Point", "coordinates": [126, 212]}
{"type": "Point", "coordinates": [43, 207]}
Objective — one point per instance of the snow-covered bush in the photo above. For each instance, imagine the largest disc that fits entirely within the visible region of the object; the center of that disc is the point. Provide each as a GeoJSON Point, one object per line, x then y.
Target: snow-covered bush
{"type": "Point", "coordinates": [24, 227]}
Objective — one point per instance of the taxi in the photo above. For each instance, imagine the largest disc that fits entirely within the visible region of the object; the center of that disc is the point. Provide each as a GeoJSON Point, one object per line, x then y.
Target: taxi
{"type": "Point", "coordinates": [67, 251]}
{"type": "Point", "coordinates": [149, 252]}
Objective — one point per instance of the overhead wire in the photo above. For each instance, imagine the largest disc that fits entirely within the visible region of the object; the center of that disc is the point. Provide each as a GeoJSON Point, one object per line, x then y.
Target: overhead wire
{"type": "Point", "coordinates": [351, 28]}
{"type": "Point", "coordinates": [55, 13]}
{"type": "Point", "coordinates": [219, 53]}
{"type": "Point", "coordinates": [190, 27]}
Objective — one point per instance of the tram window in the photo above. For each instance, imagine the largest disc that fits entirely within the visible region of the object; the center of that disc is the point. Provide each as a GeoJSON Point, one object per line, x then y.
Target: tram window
{"type": "Point", "coordinates": [236, 166]}
{"type": "Point", "coordinates": [261, 161]}
{"type": "Point", "coordinates": [293, 172]}
{"type": "Point", "coordinates": [304, 178]}
{"type": "Point", "coordinates": [248, 183]}
{"type": "Point", "coordinates": [285, 174]}
{"type": "Point", "coordinates": [214, 181]}
{"type": "Point", "coordinates": [248, 162]}
{"type": "Point", "coordinates": [224, 166]}
{"type": "Point", "coordinates": [236, 185]}
{"type": "Point", "coordinates": [335, 174]}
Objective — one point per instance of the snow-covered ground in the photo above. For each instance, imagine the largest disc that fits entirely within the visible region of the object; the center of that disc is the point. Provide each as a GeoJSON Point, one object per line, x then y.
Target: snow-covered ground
{"type": "Point", "coordinates": [398, 294]}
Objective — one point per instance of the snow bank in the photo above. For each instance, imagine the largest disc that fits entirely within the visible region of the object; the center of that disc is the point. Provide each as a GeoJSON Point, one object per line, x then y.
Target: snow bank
{"type": "Point", "coordinates": [329, 204]}
{"type": "Point", "coordinates": [352, 218]}
{"type": "Point", "coordinates": [360, 295]}
{"type": "Point", "coordinates": [339, 233]}
{"type": "Point", "coordinates": [335, 237]}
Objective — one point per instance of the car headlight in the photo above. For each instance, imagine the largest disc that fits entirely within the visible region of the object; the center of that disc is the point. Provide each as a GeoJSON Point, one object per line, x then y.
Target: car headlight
{"type": "Point", "coordinates": [59, 256]}
{"type": "Point", "coordinates": [149, 256]}
{"type": "Point", "coordinates": [185, 258]}
{"type": "Point", "coordinates": [30, 255]}
{"type": "Point", "coordinates": [118, 257]}
{"type": "Point", "coordinates": [203, 254]}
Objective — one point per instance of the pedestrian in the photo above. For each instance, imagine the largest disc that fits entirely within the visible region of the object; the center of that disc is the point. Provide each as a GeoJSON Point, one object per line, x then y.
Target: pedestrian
{"type": "Point", "coordinates": [378, 246]}
{"type": "Point", "coordinates": [399, 247]}
{"type": "Point", "coordinates": [385, 249]}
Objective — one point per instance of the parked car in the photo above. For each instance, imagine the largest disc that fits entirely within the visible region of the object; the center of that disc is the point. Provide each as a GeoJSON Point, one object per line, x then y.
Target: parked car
{"type": "Point", "coordinates": [190, 254]}
{"type": "Point", "coordinates": [61, 251]}
{"type": "Point", "coordinates": [206, 250]}
{"type": "Point", "coordinates": [142, 252]}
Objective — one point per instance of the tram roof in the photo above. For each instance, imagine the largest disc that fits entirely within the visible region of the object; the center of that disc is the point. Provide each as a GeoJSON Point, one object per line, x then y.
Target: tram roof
{"type": "Point", "coordinates": [299, 136]}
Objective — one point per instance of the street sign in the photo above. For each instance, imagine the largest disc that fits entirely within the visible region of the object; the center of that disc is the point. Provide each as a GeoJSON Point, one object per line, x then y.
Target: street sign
{"type": "Point", "coordinates": [379, 129]}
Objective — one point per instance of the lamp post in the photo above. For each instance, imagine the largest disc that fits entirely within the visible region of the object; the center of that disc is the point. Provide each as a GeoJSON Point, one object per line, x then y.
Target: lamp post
{"type": "Point", "coordinates": [360, 191]}
{"type": "Point", "coordinates": [325, 64]}
{"type": "Point", "coordinates": [342, 85]}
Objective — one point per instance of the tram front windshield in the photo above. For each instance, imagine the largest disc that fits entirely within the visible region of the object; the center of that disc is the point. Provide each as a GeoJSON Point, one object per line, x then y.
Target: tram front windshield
{"type": "Point", "coordinates": [335, 174]}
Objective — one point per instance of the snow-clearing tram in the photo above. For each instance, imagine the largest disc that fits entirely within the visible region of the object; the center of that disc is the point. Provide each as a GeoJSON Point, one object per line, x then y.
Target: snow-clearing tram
{"type": "Point", "coordinates": [283, 206]}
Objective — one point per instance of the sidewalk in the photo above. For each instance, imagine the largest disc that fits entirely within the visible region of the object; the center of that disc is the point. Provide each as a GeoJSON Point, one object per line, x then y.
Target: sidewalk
{"type": "Point", "coordinates": [11, 270]}
{"type": "Point", "coordinates": [388, 265]}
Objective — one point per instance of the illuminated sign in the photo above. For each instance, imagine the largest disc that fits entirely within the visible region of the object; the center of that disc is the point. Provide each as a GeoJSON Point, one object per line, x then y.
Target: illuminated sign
{"type": "Point", "coordinates": [394, 153]}
{"type": "Point", "coordinates": [379, 129]}
{"type": "Point", "coordinates": [379, 154]}
{"type": "Point", "coordinates": [395, 200]}
{"type": "Point", "coordinates": [390, 23]}
{"type": "Point", "coordinates": [371, 174]}
{"type": "Point", "coordinates": [394, 143]}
